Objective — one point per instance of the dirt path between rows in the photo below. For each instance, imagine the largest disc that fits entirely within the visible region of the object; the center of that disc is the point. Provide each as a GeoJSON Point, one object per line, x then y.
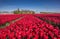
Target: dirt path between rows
{"type": "Point", "coordinates": [13, 21]}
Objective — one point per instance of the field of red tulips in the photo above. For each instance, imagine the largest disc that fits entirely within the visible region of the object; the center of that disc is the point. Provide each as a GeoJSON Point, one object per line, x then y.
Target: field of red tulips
{"type": "Point", "coordinates": [30, 26]}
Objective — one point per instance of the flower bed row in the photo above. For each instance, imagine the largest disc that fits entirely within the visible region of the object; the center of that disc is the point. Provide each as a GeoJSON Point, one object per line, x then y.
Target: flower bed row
{"type": "Point", "coordinates": [30, 27]}
{"type": "Point", "coordinates": [51, 19]}
{"type": "Point", "coordinates": [8, 18]}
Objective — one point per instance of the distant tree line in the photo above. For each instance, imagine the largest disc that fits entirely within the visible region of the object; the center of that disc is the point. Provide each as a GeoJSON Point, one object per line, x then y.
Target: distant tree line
{"type": "Point", "coordinates": [23, 11]}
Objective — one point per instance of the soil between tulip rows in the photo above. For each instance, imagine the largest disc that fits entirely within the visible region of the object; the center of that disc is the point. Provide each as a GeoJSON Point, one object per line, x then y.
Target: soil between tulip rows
{"type": "Point", "coordinates": [8, 23]}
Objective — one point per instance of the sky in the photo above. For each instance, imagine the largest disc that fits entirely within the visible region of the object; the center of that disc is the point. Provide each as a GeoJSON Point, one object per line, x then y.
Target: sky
{"type": "Point", "coordinates": [35, 5]}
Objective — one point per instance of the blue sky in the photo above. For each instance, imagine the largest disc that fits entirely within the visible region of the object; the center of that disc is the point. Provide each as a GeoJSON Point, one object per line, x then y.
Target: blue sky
{"type": "Point", "coordinates": [36, 5]}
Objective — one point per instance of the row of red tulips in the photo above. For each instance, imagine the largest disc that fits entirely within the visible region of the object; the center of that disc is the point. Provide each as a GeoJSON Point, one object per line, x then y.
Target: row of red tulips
{"type": "Point", "coordinates": [8, 18]}
{"type": "Point", "coordinates": [54, 20]}
{"type": "Point", "coordinates": [30, 27]}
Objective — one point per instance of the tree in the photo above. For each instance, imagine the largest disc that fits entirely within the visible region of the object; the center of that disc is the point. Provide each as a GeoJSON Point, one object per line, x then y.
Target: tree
{"type": "Point", "coordinates": [17, 11]}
